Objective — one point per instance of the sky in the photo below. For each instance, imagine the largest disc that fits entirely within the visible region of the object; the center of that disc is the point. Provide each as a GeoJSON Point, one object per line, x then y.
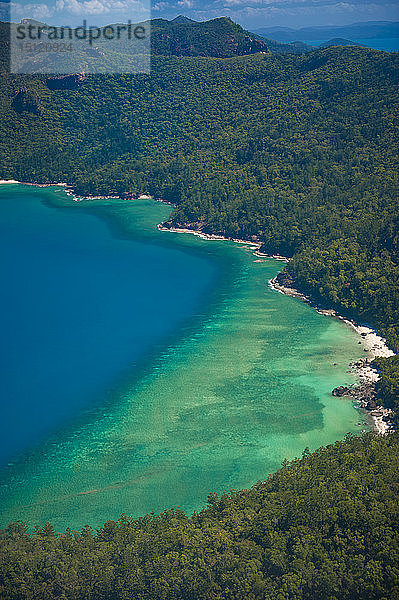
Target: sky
{"type": "Point", "coordinates": [251, 14]}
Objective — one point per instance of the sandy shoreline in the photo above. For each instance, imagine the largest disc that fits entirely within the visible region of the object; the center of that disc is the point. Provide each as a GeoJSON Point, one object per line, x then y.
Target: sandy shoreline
{"type": "Point", "coordinates": [40, 185]}
{"type": "Point", "coordinates": [375, 345]}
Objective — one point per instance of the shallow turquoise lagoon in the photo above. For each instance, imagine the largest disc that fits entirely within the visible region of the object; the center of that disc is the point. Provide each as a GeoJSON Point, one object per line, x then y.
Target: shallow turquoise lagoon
{"type": "Point", "coordinates": [144, 369]}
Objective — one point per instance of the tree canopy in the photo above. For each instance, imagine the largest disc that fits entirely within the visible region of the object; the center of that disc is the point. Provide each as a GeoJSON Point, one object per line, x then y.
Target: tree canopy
{"type": "Point", "coordinates": [324, 526]}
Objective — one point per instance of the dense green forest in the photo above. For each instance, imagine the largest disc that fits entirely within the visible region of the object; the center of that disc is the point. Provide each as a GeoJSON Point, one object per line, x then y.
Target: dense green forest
{"type": "Point", "coordinates": [220, 38]}
{"type": "Point", "coordinates": [299, 151]}
{"type": "Point", "coordinates": [322, 528]}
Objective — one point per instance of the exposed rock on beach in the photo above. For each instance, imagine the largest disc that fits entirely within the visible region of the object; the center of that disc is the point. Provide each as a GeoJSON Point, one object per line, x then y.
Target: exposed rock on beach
{"type": "Point", "coordinates": [363, 393]}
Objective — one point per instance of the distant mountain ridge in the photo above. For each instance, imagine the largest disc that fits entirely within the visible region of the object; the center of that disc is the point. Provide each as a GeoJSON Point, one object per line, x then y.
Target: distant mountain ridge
{"type": "Point", "coordinates": [338, 42]}
{"type": "Point", "coordinates": [366, 30]}
{"type": "Point", "coordinates": [217, 38]}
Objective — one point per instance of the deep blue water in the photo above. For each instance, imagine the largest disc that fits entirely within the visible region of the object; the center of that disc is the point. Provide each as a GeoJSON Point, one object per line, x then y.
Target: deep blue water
{"type": "Point", "coordinates": [78, 308]}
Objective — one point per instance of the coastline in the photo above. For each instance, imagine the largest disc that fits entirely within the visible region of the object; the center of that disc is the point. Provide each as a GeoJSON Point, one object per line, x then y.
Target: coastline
{"type": "Point", "coordinates": [252, 244]}
{"type": "Point", "coordinates": [40, 185]}
{"type": "Point", "coordinates": [68, 188]}
{"type": "Point", "coordinates": [363, 393]}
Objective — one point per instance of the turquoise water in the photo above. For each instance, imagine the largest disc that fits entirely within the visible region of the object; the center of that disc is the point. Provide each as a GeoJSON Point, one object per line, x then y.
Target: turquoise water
{"type": "Point", "coordinates": [150, 368]}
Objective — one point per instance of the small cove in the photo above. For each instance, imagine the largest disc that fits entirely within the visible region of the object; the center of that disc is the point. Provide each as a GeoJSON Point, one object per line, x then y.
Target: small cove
{"type": "Point", "coordinates": [146, 369]}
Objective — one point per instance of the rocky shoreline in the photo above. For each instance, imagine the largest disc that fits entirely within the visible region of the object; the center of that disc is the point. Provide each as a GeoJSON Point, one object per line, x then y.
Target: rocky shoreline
{"type": "Point", "coordinates": [364, 396]}
{"type": "Point", "coordinates": [363, 393]}
{"type": "Point", "coordinates": [253, 242]}
{"type": "Point", "coordinates": [69, 190]}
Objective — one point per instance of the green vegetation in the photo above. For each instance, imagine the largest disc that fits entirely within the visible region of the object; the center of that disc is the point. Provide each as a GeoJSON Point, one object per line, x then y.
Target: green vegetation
{"type": "Point", "coordinates": [322, 527]}
{"type": "Point", "coordinates": [296, 150]}
{"type": "Point", "coordinates": [220, 37]}
{"type": "Point", "coordinates": [388, 385]}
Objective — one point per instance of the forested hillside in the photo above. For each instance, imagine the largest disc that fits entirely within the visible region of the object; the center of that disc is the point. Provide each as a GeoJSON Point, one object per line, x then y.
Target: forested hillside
{"type": "Point", "coordinates": [219, 37]}
{"type": "Point", "coordinates": [324, 527]}
{"type": "Point", "coordinates": [299, 151]}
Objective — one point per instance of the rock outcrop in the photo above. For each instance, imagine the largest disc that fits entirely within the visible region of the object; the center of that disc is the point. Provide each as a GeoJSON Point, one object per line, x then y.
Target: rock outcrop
{"type": "Point", "coordinates": [340, 391]}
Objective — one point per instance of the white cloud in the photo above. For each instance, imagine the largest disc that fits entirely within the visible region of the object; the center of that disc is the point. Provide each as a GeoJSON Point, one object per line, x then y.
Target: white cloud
{"type": "Point", "coordinates": [160, 6]}
{"type": "Point", "coordinates": [250, 13]}
{"type": "Point", "coordinates": [97, 7]}
{"type": "Point", "coordinates": [245, 3]}
{"type": "Point", "coordinates": [88, 7]}
{"type": "Point", "coordinates": [31, 11]}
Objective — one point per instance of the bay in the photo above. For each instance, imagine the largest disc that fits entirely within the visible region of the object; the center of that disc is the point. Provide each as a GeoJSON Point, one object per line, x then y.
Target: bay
{"type": "Point", "coordinates": [145, 369]}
